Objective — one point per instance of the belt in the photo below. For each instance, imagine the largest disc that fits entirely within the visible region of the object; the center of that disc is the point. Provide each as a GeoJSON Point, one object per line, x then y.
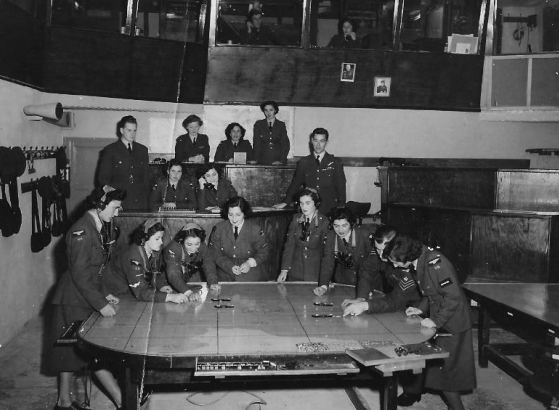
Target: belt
{"type": "Point", "coordinates": [433, 298]}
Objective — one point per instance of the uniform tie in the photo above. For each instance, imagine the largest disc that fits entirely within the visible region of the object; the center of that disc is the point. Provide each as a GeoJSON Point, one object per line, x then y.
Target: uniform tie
{"type": "Point", "coordinates": [318, 160]}
{"type": "Point", "coordinates": [130, 148]}
{"type": "Point", "coordinates": [345, 242]}
{"type": "Point", "coordinates": [236, 234]}
{"type": "Point", "coordinates": [234, 146]}
{"type": "Point", "coordinates": [174, 187]}
{"type": "Point", "coordinates": [270, 126]}
{"type": "Point", "coordinates": [194, 141]}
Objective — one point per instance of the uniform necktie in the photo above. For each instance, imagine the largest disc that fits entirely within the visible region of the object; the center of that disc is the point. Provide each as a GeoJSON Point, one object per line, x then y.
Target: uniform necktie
{"type": "Point", "coordinates": [270, 126]}
{"type": "Point", "coordinates": [236, 234]}
{"type": "Point", "coordinates": [174, 187]}
{"type": "Point", "coordinates": [194, 141]}
{"type": "Point", "coordinates": [318, 160]}
{"type": "Point", "coordinates": [130, 148]}
{"type": "Point", "coordinates": [234, 146]}
{"type": "Point", "coordinates": [345, 242]}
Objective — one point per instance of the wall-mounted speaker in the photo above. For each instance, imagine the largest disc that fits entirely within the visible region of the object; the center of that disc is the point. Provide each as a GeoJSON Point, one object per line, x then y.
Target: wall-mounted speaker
{"type": "Point", "coordinates": [52, 113]}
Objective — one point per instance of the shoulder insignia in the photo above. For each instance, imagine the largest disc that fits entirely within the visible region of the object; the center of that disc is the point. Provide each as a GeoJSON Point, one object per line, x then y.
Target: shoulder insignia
{"type": "Point", "coordinates": [445, 282]}
{"type": "Point", "coordinates": [434, 261]}
{"type": "Point", "coordinates": [261, 232]}
{"type": "Point", "coordinates": [431, 249]}
{"type": "Point", "coordinates": [134, 262]}
{"type": "Point", "coordinates": [373, 251]}
{"type": "Point", "coordinates": [171, 253]}
{"type": "Point", "coordinates": [81, 232]}
{"type": "Point", "coordinates": [134, 285]}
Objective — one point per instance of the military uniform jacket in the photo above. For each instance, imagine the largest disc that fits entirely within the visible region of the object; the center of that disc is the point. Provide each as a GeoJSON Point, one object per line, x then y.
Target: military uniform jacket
{"type": "Point", "coordinates": [442, 295]}
{"type": "Point", "coordinates": [81, 285]}
{"type": "Point", "coordinates": [182, 268]}
{"type": "Point", "coordinates": [333, 268]}
{"type": "Point", "coordinates": [185, 149]}
{"type": "Point", "coordinates": [226, 150]}
{"type": "Point", "coordinates": [120, 169]}
{"type": "Point", "coordinates": [184, 195]}
{"type": "Point", "coordinates": [404, 291]}
{"type": "Point", "coordinates": [328, 179]}
{"type": "Point", "coordinates": [212, 197]}
{"type": "Point", "coordinates": [270, 146]}
{"type": "Point", "coordinates": [133, 272]}
{"type": "Point", "coordinates": [228, 252]}
{"type": "Point", "coordinates": [370, 275]}
{"type": "Point", "coordinates": [302, 258]}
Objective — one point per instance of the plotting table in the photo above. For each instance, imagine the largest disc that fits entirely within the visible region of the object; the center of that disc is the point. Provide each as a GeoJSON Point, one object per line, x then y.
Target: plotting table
{"type": "Point", "coordinates": [531, 311]}
{"type": "Point", "coordinates": [268, 330]}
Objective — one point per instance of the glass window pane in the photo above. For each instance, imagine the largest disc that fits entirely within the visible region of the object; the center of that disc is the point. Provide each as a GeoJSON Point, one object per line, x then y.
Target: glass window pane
{"type": "Point", "coordinates": [426, 24]}
{"type": "Point", "coordinates": [259, 23]}
{"type": "Point", "coordinates": [525, 27]}
{"type": "Point", "coordinates": [352, 24]}
{"type": "Point", "coordinates": [170, 20]}
{"type": "Point", "coordinates": [102, 15]}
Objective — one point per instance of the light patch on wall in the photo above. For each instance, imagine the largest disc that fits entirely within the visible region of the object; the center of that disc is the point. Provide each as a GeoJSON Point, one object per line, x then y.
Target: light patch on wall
{"type": "Point", "coordinates": [162, 135]}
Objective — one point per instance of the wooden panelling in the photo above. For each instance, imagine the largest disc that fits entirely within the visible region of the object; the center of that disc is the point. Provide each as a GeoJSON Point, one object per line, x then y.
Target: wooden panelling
{"type": "Point", "coordinates": [459, 187]}
{"type": "Point", "coordinates": [312, 77]}
{"type": "Point", "coordinates": [445, 229]}
{"type": "Point", "coordinates": [528, 190]}
{"type": "Point", "coordinates": [115, 65]}
{"type": "Point", "coordinates": [513, 248]}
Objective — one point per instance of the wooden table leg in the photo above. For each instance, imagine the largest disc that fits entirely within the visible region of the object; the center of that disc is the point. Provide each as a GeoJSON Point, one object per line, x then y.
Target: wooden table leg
{"type": "Point", "coordinates": [389, 393]}
{"type": "Point", "coordinates": [130, 394]}
{"type": "Point", "coordinates": [484, 320]}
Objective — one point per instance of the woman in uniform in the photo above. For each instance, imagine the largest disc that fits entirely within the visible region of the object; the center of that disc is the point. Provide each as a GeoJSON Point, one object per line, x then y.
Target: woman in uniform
{"type": "Point", "coordinates": [138, 268]}
{"type": "Point", "coordinates": [271, 144]}
{"type": "Point", "coordinates": [213, 190]}
{"type": "Point", "coordinates": [238, 245]}
{"type": "Point", "coordinates": [187, 259]}
{"type": "Point", "coordinates": [235, 142]}
{"type": "Point", "coordinates": [173, 192]}
{"type": "Point", "coordinates": [443, 300]}
{"type": "Point", "coordinates": [346, 248]}
{"type": "Point", "coordinates": [80, 292]}
{"type": "Point", "coordinates": [192, 147]}
{"type": "Point", "coordinates": [307, 232]}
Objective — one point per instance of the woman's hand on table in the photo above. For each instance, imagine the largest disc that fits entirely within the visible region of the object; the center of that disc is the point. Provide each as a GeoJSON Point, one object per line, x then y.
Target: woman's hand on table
{"type": "Point", "coordinates": [355, 309]}
{"type": "Point", "coordinates": [428, 323]}
{"type": "Point", "coordinates": [282, 276]}
{"type": "Point", "coordinates": [176, 298]}
{"type": "Point", "coordinates": [413, 311]}
{"type": "Point", "coordinates": [215, 287]}
{"type": "Point", "coordinates": [348, 302]}
{"type": "Point", "coordinates": [193, 296]}
{"type": "Point", "coordinates": [166, 289]}
{"type": "Point", "coordinates": [279, 206]}
{"type": "Point", "coordinates": [108, 311]}
{"type": "Point", "coordinates": [320, 290]}
{"type": "Point", "coordinates": [113, 300]}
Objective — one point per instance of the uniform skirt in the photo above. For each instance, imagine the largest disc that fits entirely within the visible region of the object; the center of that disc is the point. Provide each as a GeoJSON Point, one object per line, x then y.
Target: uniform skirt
{"type": "Point", "coordinates": [457, 372]}
{"type": "Point", "coordinates": [66, 358]}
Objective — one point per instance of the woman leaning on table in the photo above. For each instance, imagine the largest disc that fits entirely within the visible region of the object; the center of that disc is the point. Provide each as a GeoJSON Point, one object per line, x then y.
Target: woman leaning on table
{"type": "Point", "coordinates": [188, 259]}
{"type": "Point", "coordinates": [235, 142]}
{"type": "Point", "coordinates": [445, 304]}
{"type": "Point", "coordinates": [80, 292]}
{"type": "Point", "coordinates": [137, 270]}
{"type": "Point", "coordinates": [307, 232]}
{"type": "Point", "coordinates": [238, 245]}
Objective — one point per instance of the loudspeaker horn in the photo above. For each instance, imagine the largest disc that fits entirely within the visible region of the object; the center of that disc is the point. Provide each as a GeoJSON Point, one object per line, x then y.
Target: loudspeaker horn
{"type": "Point", "coordinates": [52, 111]}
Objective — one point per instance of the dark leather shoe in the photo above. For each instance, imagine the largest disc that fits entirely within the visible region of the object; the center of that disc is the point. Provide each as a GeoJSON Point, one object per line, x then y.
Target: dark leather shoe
{"type": "Point", "coordinates": [407, 399]}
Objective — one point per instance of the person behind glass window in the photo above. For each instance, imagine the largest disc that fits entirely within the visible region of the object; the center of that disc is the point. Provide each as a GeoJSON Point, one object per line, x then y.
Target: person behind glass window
{"type": "Point", "coordinates": [255, 33]}
{"type": "Point", "coordinates": [346, 37]}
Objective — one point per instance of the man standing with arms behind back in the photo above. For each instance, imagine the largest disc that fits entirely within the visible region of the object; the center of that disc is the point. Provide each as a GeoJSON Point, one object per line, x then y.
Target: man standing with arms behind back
{"type": "Point", "coordinates": [125, 165]}
{"type": "Point", "coordinates": [321, 171]}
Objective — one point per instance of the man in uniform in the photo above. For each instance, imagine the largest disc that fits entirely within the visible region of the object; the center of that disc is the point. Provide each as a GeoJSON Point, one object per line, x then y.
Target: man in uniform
{"type": "Point", "coordinates": [125, 165]}
{"type": "Point", "coordinates": [321, 171]}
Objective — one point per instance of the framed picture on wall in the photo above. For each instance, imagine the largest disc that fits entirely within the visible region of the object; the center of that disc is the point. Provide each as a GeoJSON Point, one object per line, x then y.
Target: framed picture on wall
{"type": "Point", "coordinates": [382, 87]}
{"type": "Point", "coordinates": [348, 72]}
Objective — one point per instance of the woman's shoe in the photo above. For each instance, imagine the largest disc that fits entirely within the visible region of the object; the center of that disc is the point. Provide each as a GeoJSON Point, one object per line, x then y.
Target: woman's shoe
{"type": "Point", "coordinates": [407, 399]}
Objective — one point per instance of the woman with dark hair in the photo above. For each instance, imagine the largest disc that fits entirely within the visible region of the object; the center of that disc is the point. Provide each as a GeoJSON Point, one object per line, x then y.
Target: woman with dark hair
{"type": "Point", "coordinates": [346, 248]}
{"type": "Point", "coordinates": [400, 284]}
{"type": "Point", "coordinates": [269, 137]}
{"type": "Point", "coordinates": [213, 190]}
{"type": "Point", "coordinates": [307, 232]}
{"type": "Point", "coordinates": [235, 142]}
{"type": "Point", "coordinates": [187, 259]}
{"type": "Point", "coordinates": [346, 37]}
{"type": "Point", "coordinates": [173, 192]}
{"type": "Point", "coordinates": [138, 268]}
{"type": "Point", "coordinates": [445, 304]}
{"type": "Point", "coordinates": [192, 147]}
{"type": "Point", "coordinates": [80, 292]}
{"type": "Point", "coordinates": [238, 245]}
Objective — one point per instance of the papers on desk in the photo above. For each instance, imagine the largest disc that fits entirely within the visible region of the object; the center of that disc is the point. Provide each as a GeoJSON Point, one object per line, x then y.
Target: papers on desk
{"type": "Point", "coordinates": [214, 209]}
{"type": "Point", "coordinates": [263, 208]}
{"type": "Point", "coordinates": [462, 44]}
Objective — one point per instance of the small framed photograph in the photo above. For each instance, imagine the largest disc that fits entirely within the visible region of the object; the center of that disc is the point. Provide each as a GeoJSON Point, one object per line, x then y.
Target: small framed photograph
{"type": "Point", "coordinates": [382, 87]}
{"type": "Point", "coordinates": [348, 72]}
